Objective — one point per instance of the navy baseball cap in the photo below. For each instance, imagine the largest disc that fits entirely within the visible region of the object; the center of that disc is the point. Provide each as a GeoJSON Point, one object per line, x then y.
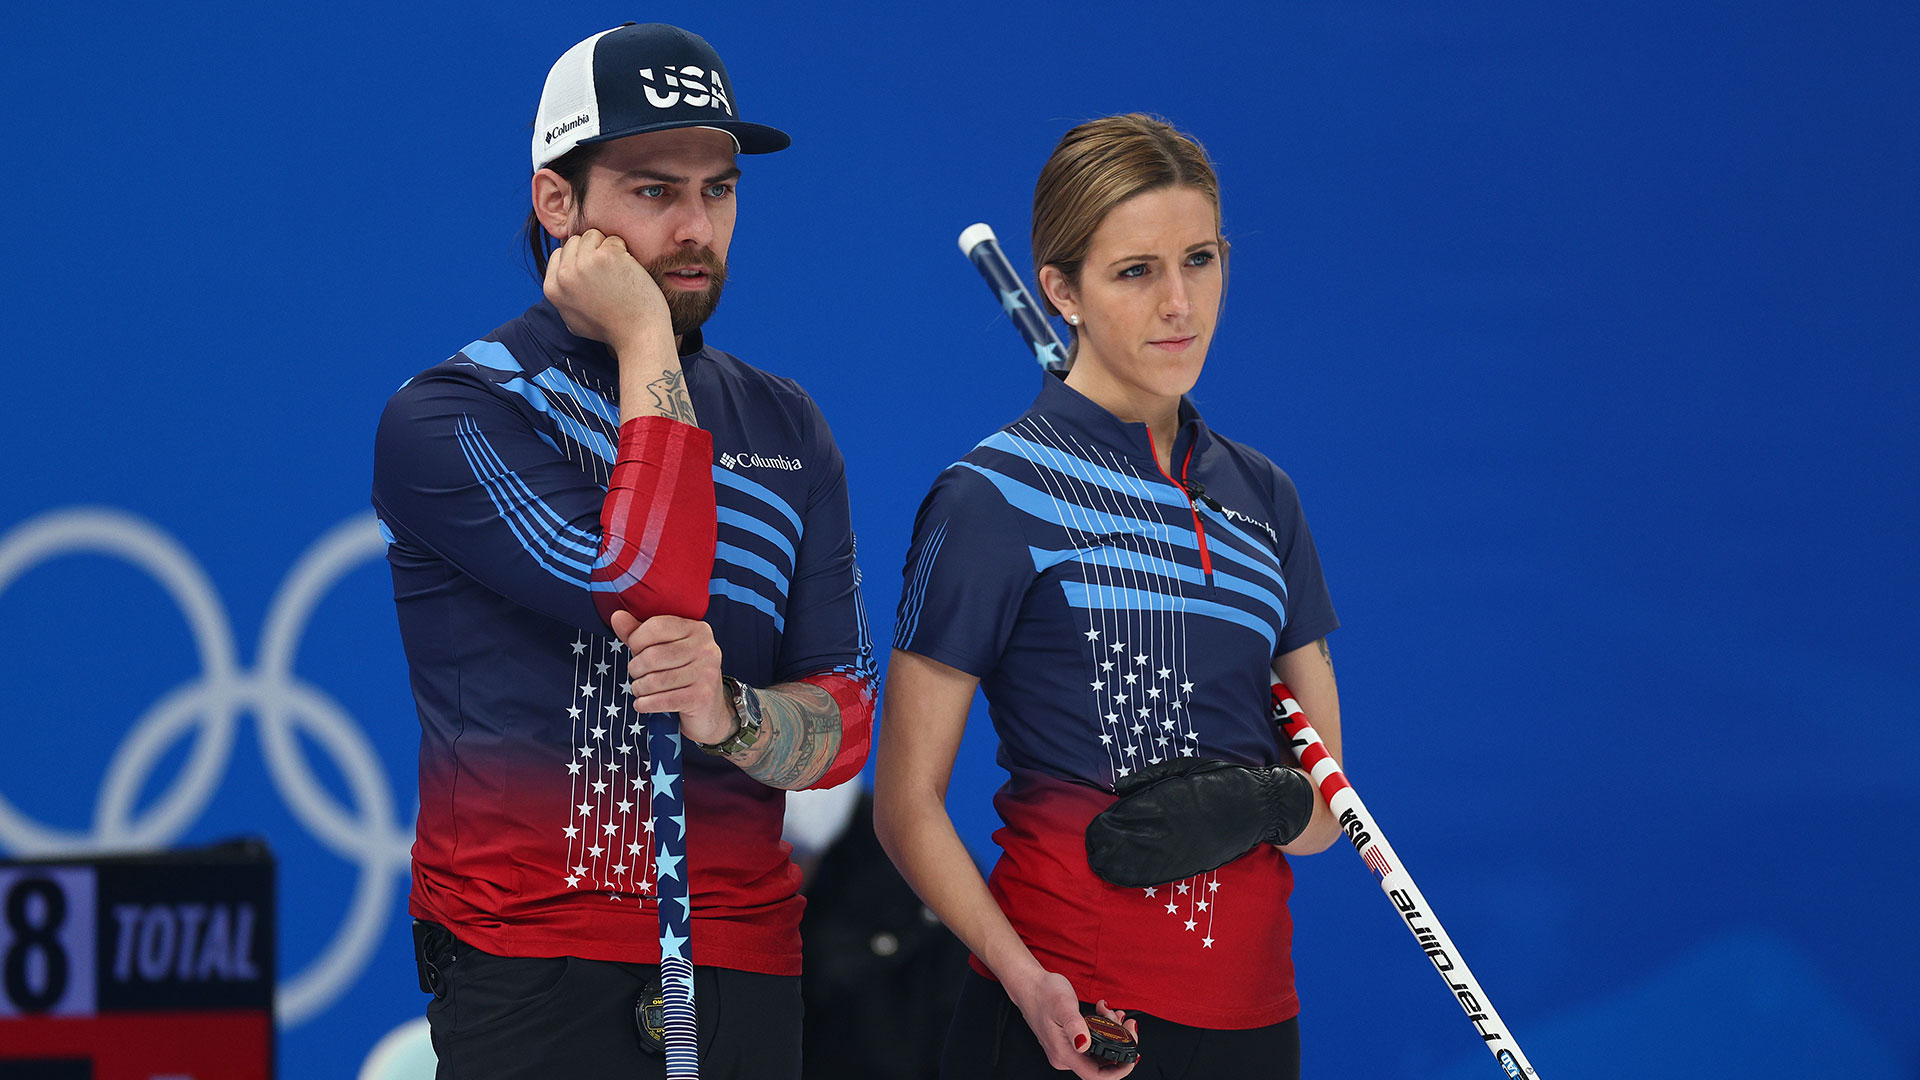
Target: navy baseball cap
{"type": "Point", "coordinates": [638, 78]}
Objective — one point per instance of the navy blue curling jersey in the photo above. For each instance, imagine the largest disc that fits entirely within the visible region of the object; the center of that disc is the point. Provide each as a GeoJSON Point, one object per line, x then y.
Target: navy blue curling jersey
{"type": "Point", "coordinates": [1118, 616]}
{"type": "Point", "coordinates": [490, 472]}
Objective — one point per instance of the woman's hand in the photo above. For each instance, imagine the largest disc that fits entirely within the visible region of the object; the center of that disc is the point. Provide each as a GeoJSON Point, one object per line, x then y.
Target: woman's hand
{"type": "Point", "coordinates": [926, 711]}
{"type": "Point", "coordinates": [1052, 1010]}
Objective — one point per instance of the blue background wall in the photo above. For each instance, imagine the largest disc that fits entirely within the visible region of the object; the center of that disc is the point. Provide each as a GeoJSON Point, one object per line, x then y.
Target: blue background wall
{"type": "Point", "coordinates": [1587, 331]}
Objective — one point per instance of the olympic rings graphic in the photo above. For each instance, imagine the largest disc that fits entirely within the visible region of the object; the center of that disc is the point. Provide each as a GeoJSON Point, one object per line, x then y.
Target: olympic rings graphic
{"type": "Point", "coordinates": [208, 709]}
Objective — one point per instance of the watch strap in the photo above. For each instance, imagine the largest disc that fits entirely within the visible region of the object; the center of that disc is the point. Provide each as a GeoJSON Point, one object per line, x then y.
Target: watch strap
{"type": "Point", "coordinates": [746, 710]}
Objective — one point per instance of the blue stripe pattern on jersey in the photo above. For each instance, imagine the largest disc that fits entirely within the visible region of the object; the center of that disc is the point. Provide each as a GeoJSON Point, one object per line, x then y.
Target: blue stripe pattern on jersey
{"type": "Point", "coordinates": [1109, 598]}
{"type": "Point", "coordinates": [728, 478]}
{"type": "Point", "coordinates": [541, 532]}
{"type": "Point", "coordinates": [727, 515]}
{"type": "Point", "coordinates": [737, 558]}
{"type": "Point", "coordinates": [492, 354]}
{"type": "Point", "coordinates": [1121, 559]}
{"type": "Point", "coordinates": [1128, 485]}
{"type": "Point", "coordinates": [560, 383]}
{"type": "Point", "coordinates": [1047, 506]}
{"type": "Point", "coordinates": [742, 594]}
{"type": "Point", "coordinates": [1064, 512]}
{"type": "Point", "coordinates": [864, 665]}
{"type": "Point", "coordinates": [1154, 489]}
{"type": "Point", "coordinates": [1059, 461]}
{"type": "Point", "coordinates": [741, 574]}
{"type": "Point", "coordinates": [917, 587]}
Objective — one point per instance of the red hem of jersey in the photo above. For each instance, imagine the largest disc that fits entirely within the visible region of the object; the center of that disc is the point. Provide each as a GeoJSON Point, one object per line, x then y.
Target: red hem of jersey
{"type": "Point", "coordinates": [764, 951]}
{"type": "Point", "coordinates": [1178, 1012]}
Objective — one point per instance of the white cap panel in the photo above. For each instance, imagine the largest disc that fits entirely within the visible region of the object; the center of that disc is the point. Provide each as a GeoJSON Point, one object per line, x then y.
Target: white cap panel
{"type": "Point", "coordinates": [569, 110]}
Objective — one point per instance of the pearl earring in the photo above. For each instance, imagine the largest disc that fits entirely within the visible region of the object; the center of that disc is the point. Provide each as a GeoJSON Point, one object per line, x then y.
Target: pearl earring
{"type": "Point", "coordinates": [1074, 319]}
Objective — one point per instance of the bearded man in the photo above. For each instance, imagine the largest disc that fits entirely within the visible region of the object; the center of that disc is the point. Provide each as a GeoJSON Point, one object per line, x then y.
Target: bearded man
{"type": "Point", "coordinates": [592, 516]}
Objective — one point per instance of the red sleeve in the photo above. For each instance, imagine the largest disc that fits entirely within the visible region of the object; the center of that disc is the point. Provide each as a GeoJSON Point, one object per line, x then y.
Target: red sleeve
{"type": "Point", "coordinates": [657, 523]}
{"type": "Point", "coordinates": [855, 698]}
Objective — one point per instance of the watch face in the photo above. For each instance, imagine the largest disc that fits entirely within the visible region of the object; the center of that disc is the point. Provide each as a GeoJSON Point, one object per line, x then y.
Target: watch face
{"type": "Point", "coordinates": [747, 704]}
{"type": "Point", "coordinates": [746, 709]}
{"type": "Point", "coordinates": [650, 1018]}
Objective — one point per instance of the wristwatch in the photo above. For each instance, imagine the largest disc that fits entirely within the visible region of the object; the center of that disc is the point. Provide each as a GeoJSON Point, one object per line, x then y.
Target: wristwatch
{"type": "Point", "coordinates": [746, 710]}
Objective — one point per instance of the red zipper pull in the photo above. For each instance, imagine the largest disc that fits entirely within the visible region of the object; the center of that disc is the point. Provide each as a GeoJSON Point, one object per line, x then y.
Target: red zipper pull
{"type": "Point", "coordinates": [1199, 531]}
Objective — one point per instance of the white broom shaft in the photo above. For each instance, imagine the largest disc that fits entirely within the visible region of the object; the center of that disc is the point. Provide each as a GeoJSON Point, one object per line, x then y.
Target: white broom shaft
{"type": "Point", "coordinates": [1367, 839]}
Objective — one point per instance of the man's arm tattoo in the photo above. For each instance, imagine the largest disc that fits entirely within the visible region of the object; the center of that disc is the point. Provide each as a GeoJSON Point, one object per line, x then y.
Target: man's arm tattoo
{"type": "Point", "coordinates": [1326, 654]}
{"type": "Point", "coordinates": [670, 396]}
{"type": "Point", "coordinates": [799, 737]}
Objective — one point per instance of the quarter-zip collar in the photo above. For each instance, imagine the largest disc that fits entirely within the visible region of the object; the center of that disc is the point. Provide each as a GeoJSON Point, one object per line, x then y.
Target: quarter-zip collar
{"type": "Point", "coordinates": [1092, 421]}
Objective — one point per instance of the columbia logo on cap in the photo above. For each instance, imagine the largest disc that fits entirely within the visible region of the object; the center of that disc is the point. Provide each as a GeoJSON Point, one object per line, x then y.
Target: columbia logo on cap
{"type": "Point", "coordinates": [558, 130]}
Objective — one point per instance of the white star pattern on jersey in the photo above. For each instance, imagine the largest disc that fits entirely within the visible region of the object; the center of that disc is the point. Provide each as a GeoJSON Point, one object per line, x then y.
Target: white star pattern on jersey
{"type": "Point", "coordinates": [1150, 647]}
{"type": "Point", "coordinates": [605, 845]}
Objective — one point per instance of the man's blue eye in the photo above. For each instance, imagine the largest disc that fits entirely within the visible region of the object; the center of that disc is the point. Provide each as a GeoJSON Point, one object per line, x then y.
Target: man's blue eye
{"type": "Point", "coordinates": [652, 191]}
{"type": "Point", "coordinates": [719, 191]}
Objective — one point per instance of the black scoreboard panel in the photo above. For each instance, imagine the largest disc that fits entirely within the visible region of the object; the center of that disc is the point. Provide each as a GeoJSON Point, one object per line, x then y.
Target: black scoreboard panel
{"type": "Point", "coordinates": [139, 966]}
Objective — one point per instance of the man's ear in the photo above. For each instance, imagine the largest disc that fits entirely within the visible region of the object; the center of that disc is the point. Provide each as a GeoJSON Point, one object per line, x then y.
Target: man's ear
{"type": "Point", "coordinates": [553, 203]}
{"type": "Point", "coordinates": [1058, 290]}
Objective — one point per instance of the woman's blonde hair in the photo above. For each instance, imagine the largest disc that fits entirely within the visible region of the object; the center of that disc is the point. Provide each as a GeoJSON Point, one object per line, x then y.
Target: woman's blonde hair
{"type": "Point", "coordinates": [1096, 167]}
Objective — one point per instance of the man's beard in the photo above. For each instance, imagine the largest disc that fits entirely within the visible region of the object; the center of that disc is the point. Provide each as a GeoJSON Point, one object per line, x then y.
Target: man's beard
{"type": "Point", "coordinates": [690, 309]}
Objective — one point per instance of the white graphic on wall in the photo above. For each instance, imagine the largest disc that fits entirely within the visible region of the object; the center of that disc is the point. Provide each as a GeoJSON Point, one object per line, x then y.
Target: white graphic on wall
{"type": "Point", "coordinates": [208, 709]}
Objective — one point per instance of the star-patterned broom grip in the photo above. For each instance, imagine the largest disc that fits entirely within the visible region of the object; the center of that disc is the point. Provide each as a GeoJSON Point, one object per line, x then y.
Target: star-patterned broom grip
{"type": "Point", "coordinates": [1365, 835]}
{"type": "Point", "coordinates": [670, 889]}
{"type": "Point", "coordinates": [982, 248]}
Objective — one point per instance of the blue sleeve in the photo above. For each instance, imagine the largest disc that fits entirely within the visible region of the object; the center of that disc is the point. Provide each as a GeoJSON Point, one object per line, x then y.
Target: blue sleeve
{"type": "Point", "coordinates": [1310, 614]}
{"type": "Point", "coordinates": [966, 577]}
{"type": "Point", "coordinates": [826, 624]}
{"type": "Point", "coordinates": [461, 475]}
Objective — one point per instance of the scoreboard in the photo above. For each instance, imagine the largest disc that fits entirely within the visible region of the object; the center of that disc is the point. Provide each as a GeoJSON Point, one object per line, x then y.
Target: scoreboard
{"type": "Point", "coordinates": [138, 967]}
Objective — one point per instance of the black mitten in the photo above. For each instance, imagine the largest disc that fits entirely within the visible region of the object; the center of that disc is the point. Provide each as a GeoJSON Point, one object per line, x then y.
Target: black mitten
{"type": "Point", "coordinates": [1188, 815]}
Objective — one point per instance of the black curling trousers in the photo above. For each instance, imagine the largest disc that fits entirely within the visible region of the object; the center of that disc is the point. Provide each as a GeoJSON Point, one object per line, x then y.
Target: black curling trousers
{"type": "Point", "coordinates": [509, 1018]}
{"type": "Point", "coordinates": [990, 1040]}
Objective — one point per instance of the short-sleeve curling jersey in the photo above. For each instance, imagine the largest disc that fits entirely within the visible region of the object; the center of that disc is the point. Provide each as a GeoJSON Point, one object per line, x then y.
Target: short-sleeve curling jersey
{"type": "Point", "coordinates": [1117, 616]}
